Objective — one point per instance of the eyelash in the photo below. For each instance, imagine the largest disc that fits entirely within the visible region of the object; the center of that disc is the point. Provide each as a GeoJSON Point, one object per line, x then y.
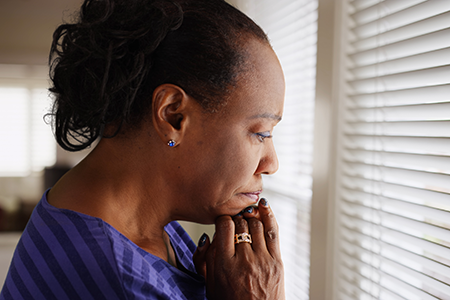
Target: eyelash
{"type": "Point", "coordinates": [263, 135]}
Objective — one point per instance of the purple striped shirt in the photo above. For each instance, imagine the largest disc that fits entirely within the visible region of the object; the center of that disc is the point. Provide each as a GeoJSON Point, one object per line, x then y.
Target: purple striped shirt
{"type": "Point", "coordinates": [63, 254]}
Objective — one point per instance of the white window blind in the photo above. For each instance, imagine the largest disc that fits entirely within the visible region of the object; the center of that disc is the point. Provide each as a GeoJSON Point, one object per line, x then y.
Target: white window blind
{"type": "Point", "coordinates": [27, 143]}
{"type": "Point", "coordinates": [292, 30]}
{"type": "Point", "coordinates": [394, 194]}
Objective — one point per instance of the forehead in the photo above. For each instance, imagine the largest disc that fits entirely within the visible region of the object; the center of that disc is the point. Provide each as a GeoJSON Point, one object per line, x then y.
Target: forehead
{"type": "Point", "coordinates": [260, 88]}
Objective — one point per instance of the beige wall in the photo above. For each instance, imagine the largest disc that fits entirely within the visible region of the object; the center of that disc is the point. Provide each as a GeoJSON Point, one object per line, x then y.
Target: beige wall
{"type": "Point", "coordinates": [26, 28]}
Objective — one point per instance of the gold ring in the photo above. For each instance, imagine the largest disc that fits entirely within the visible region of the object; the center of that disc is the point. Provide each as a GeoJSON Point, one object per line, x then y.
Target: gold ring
{"type": "Point", "coordinates": [242, 238]}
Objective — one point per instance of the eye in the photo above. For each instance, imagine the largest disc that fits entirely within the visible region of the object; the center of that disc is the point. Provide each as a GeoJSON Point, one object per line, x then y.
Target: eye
{"type": "Point", "coordinates": [263, 135]}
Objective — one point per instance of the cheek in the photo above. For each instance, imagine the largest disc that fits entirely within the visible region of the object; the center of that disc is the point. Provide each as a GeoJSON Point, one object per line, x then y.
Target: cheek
{"type": "Point", "coordinates": [236, 169]}
{"type": "Point", "coordinates": [227, 164]}
{"type": "Point", "coordinates": [232, 173]}
{"type": "Point", "coordinates": [236, 159]}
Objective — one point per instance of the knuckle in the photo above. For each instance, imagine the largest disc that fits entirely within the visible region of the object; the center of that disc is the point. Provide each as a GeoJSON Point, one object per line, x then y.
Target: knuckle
{"type": "Point", "coordinates": [224, 223]}
{"type": "Point", "coordinates": [236, 217]}
{"type": "Point", "coordinates": [270, 215]}
{"type": "Point", "coordinates": [270, 218]}
{"type": "Point", "coordinates": [240, 223]}
{"type": "Point", "coordinates": [271, 221]}
{"type": "Point", "coordinates": [223, 219]}
{"type": "Point", "coordinates": [255, 224]}
{"type": "Point", "coordinates": [272, 234]}
{"type": "Point", "coordinates": [275, 227]}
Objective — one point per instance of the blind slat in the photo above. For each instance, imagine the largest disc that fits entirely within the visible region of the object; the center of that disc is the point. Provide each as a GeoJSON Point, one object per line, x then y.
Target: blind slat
{"type": "Point", "coordinates": [418, 145]}
{"type": "Point", "coordinates": [418, 95]}
{"type": "Point", "coordinates": [413, 46]}
{"type": "Point", "coordinates": [400, 128]}
{"type": "Point", "coordinates": [361, 5]}
{"type": "Point", "coordinates": [426, 77]}
{"type": "Point", "coordinates": [416, 13]}
{"type": "Point", "coordinates": [378, 201]}
{"type": "Point", "coordinates": [437, 182]}
{"type": "Point", "coordinates": [407, 173]}
{"type": "Point", "coordinates": [423, 27]}
{"type": "Point", "coordinates": [424, 112]}
{"type": "Point", "coordinates": [427, 163]}
{"type": "Point", "coordinates": [382, 9]}
{"type": "Point", "coordinates": [412, 63]}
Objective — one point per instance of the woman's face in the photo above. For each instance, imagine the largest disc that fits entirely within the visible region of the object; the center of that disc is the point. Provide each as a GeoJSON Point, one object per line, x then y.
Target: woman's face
{"type": "Point", "coordinates": [225, 153]}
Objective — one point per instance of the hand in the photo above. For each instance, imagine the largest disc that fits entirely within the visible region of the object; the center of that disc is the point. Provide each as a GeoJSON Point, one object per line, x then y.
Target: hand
{"type": "Point", "coordinates": [243, 271]}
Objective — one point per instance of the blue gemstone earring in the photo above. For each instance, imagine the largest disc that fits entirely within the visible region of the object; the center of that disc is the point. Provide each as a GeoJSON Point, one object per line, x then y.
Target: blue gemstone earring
{"type": "Point", "coordinates": [171, 143]}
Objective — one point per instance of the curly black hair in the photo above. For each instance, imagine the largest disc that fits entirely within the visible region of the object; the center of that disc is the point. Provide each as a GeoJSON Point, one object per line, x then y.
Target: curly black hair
{"type": "Point", "coordinates": [105, 66]}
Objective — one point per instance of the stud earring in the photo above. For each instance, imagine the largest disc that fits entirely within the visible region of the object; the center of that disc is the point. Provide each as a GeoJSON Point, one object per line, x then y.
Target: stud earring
{"type": "Point", "coordinates": [171, 143]}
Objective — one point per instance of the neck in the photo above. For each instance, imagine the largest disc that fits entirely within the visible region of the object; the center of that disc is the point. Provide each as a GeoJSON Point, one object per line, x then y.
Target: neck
{"type": "Point", "coordinates": [110, 185]}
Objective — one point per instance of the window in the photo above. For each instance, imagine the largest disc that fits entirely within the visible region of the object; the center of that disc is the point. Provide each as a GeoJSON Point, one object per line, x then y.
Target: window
{"type": "Point", "coordinates": [27, 141]}
{"type": "Point", "coordinates": [382, 83]}
{"type": "Point", "coordinates": [394, 188]}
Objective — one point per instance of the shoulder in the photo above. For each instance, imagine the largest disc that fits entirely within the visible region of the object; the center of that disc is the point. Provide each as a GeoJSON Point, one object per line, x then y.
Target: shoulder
{"type": "Point", "coordinates": [63, 254]}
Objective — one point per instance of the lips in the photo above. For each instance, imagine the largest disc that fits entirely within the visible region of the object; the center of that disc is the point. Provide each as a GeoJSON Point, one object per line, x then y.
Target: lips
{"type": "Point", "coordinates": [254, 196]}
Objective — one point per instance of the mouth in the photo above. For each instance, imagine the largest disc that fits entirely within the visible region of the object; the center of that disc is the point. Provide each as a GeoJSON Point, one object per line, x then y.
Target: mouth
{"type": "Point", "coordinates": [254, 196]}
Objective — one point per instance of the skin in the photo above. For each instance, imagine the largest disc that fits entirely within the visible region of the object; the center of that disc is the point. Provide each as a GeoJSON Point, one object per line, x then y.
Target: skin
{"type": "Point", "coordinates": [138, 184]}
{"type": "Point", "coordinates": [243, 271]}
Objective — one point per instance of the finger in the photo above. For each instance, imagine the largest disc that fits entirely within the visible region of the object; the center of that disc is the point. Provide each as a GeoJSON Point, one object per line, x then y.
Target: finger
{"type": "Point", "coordinates": [210, 267]}
{"type": "Point", "coordinates": [251, 212]}
{"type": "Point", "coordinates": [256, 229]}
{"type": "Point", "coordinates": [224, 237]}
{"type": "Point", "coordinates": [270, 228]}
{"type": "Point", "coordinates": [241, 226]}
{"type": "Point", "coordinates": [199, 257]}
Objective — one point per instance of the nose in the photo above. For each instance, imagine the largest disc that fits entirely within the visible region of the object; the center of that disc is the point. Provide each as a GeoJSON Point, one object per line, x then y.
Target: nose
{"type": "Point", "coordinates": [268, 163]}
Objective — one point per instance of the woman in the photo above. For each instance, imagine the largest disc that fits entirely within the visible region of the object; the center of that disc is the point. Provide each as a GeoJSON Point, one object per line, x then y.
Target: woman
{"type": "Point", "coordinates": [183, 96]}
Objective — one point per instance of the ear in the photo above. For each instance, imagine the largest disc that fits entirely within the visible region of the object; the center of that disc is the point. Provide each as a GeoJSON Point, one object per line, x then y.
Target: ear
{"type": "Point", "coordinates": [169, 112]}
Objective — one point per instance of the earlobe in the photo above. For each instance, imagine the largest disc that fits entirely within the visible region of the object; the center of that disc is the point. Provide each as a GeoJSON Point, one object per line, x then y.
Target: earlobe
{"type": "Point", "coordinates": [168, 109]}
{"type": "Point", "coordinates": [171, 143]}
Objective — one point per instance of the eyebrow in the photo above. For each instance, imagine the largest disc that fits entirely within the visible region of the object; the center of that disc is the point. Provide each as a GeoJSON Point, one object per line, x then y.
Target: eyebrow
{"type": "Point", "coordinates": [267, 116]}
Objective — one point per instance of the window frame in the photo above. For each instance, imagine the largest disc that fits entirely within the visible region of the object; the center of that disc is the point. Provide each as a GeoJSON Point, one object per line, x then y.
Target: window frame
{"type": "Point", "coordinates": [330, 91]}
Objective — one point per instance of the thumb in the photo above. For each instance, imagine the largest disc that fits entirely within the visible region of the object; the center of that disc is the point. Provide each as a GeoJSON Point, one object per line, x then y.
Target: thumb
{"type": "Point", "coordinates": [199, 257]}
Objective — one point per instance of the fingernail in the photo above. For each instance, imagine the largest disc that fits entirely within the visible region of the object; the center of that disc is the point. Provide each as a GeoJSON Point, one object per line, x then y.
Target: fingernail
{"type": "Point", "coordinates": [248, 210]}
{"type": "Point", "coordinates": [202, 240]}
{"type": "Point", "coordinates": [264, 202]}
